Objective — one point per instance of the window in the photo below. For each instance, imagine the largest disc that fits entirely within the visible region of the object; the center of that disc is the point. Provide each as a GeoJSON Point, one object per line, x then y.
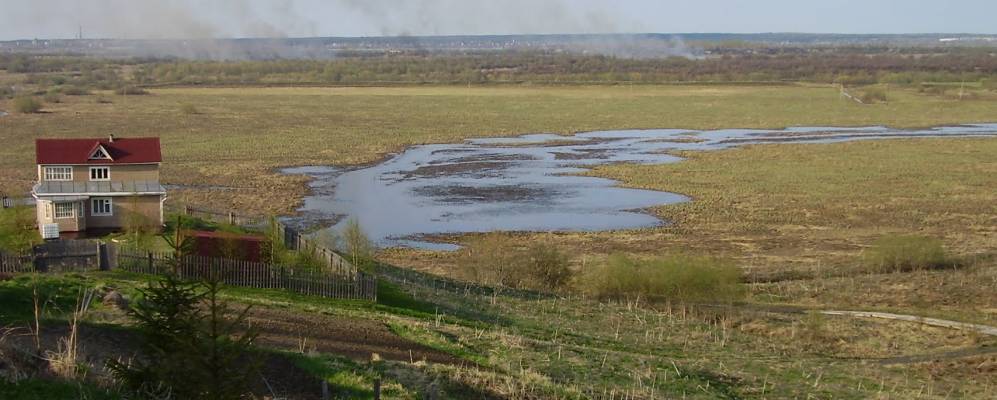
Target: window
{"type": "Point", "coordinates": [58, 173]}
{"type": "Point", "coordinates": [100, 173]}
{"type": "Point", "coordinates": [48, 209]}
{"type": "Point", "coordinates": [65, 210]}
{"type": "Point", "coordinates": [101, 207]}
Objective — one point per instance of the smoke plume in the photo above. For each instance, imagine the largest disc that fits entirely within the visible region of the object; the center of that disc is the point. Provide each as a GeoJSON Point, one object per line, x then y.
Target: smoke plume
{"type": "Point", "coordinates": [198, 19]}
{"type": "Point", "coordinates": [200, 29]}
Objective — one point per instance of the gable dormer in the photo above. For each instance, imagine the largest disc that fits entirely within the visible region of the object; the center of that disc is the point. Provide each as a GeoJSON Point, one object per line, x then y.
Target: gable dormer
{"type": "Point", "coordinates": [99, 153]}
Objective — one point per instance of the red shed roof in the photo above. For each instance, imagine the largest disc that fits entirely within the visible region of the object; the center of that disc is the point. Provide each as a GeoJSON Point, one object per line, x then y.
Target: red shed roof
{"type": "Point", "coordinates": [78, 151]}
{"type": "Point", "coordinates": [226, 235]}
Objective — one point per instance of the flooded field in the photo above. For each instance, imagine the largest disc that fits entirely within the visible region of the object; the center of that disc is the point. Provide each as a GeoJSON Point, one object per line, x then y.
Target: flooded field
{"type": "Point", "coordinates": [531, 182]}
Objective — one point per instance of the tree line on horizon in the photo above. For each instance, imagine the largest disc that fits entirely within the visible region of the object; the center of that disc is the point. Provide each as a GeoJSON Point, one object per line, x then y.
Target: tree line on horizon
{"type": "Point", "coordinates": [849, 66]}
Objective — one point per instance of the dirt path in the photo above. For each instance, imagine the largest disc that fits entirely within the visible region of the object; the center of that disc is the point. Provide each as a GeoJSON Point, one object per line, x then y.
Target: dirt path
{"type": "Point", "coordinates": [948, 355]}
{"type": "Point", "coordinates": [983, 329]}
{"type": "Point", "coordinates": [357, 339]}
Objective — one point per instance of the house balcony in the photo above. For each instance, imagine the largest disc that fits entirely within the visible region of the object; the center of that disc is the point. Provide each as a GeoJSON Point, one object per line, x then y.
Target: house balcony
{"type": "Point", "coordinates": [97, 188]}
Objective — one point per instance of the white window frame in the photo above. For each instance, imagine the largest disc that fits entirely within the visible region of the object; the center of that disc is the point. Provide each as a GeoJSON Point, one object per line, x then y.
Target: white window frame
{"type": "Point", "coordinates": [48, 209]}
{"type": "Point", "coordinates": [58, 173]}
{"type": "Point", "coordinates": [96, 208]}
{"type": "Point", "coordinates": [64, 215]}
{"type": "Point", "coordinates": [100, 154]}
{"type": "Point", "coordinates": [107, 173]}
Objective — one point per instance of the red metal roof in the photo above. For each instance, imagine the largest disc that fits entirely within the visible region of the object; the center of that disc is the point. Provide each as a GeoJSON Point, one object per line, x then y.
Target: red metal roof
{"type": "Point", "coordinates": [78, 151]}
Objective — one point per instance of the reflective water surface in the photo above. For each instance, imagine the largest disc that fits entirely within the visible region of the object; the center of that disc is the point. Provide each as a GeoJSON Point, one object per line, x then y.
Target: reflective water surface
{"type": "Point", "coordinates": [530, 183]}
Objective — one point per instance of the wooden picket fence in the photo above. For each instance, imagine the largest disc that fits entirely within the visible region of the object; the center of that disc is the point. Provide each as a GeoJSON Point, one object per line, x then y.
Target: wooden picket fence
{"type": "Point", "coordinates": [9, 201]}
{"type": "Point", "coordinates": [356, 286]}
{"type": "Point", "coordinates": [408, 277]}
{"type": "Point", "coordinates": [16, 264]}
{"type": "Point", "coordinates": [57, 257]}
{"type": "Point", "coordinates": [302, 243]}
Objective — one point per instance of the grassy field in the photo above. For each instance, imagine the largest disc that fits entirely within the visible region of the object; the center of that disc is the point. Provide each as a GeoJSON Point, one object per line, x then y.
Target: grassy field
{"type": "Point", "coordinates": [785, 203]}
{"type": "Point", "coordinates": [236, 137]}
{"type": "Point", "coordinates": [794, 206]}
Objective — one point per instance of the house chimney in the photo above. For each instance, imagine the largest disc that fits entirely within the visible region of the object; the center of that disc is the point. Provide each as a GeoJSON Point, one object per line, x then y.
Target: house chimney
{"type": "Point", "coordinates": [110, 138]}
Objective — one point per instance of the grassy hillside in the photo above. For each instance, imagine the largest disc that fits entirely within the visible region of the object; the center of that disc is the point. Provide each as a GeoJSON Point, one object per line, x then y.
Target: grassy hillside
{"type": "Point", "coordinates": [510, 346]}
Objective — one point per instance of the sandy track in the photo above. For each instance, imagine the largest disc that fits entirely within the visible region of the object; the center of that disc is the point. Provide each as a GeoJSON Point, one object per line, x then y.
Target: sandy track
{"type": "Point", "coordinates": [983, 329]}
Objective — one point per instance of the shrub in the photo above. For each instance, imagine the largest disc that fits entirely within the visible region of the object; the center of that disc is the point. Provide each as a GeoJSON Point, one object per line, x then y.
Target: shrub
{"type": "Point", "coordinates": [486, 260]}
{"type": "Point", "coordinates": [27, 105]}
{"type": "Point", "coordinates": [75, 91]}
{"type": "Point", "coordinates": [546, 268]}
{"type": "Point", "coordinates": [497, 260]}
{"type": "Point", "coordinates": [898, 253]}
{"type": "Point", "coordinates": [52, 97]}
{"type": "Point", "coordinates": [874, 95]}
{"type": "Point", "coordinates": [18, 231]}
{"type": "Point", "coordinates": [102, 100]}
{"type": "Point", "coordinates": [130, 91]}
{"type": "Point", "coordinates": [679, 278]}
{"type": "Point", "coordinates": [189, 109]}
{"type": "Point", "coordinates": [814, 333]}
{"type": "Point", "coordinates": [358, 246]}
{"type": "Point", "coordinates": [138, 230]}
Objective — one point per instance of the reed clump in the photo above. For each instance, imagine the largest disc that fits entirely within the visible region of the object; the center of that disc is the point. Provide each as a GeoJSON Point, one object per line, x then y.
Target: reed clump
{"type": "Point", "coordinates": [497, 259]}
{"type": "Point", "coordinates": [902, 253]}
{"type": "Point", "coordinates": [672, 278]}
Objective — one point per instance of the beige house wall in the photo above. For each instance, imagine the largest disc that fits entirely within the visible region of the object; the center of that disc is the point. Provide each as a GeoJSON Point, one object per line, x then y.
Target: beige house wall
{"type": "Point", "coordinates": [46, 215]}
{"type": "Point", "coordinates": [119, 173]}
{"type": "Point", "coordinates": [144, 210]}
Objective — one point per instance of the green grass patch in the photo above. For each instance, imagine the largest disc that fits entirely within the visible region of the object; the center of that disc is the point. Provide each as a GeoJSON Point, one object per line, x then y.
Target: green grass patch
{"type": "Point", "coordinates": [57, 295]}
{"type": "Point", "coordinates": [35, 389]}
{"type": "Point", "coordinates": [437, 340]}
{"type": "Point", "coordinates": [348, 379]}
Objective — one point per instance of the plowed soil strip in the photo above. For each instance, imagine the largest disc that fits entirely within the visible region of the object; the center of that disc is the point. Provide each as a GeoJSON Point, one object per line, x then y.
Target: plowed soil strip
{"type": "Point", "coordinates": [357, 339]}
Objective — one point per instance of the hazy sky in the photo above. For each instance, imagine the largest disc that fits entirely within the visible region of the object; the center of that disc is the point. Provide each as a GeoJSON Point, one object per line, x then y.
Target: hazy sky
{"type": "Point", "coordinates": [25, 19]}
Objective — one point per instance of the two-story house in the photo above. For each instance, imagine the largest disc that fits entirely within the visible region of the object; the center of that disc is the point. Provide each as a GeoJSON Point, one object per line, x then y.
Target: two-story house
{"type": "Point", "coordinates": [98, 185]}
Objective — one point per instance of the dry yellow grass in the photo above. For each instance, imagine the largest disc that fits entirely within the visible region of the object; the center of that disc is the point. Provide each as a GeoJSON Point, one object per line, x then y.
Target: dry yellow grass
{"type": "Point", "coordinates": [780, 202]}
{"type": "Point", "coordinates": [240, 135]}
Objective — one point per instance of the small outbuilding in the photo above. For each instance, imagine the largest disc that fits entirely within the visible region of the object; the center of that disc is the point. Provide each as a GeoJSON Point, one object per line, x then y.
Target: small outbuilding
{"type": "Point", "coordinates": [232, 246]}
